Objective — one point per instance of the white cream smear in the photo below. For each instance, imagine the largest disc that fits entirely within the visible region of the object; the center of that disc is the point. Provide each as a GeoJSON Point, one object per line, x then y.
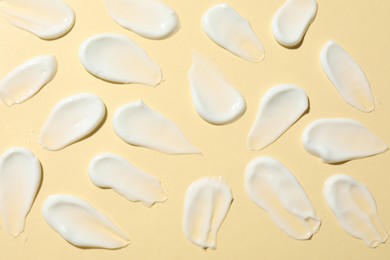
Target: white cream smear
{"type": "Point", "coordinates": [215, 99]}
{"type": "Point", "coordinates": [227, 28]}
{"type": "Point", "coordinates": [355, 208]}
{"type": "Point", "coordinates": [112, 171]}
{"type": "Point", "coordinates": [280, 108]}
{"type": "Point", "coordinates": [149, 18]}
{"type": "Point", "coordinates": [47, 19]}
{"type": "Point", "coordinates": [20, 179]}
{"type": "Point", "coordinates": [72, 119]}
{"type": "Point", "coordinates": [27, 79]}
{"type": "Point", "coordinates": [138, 124]}
{"type": "Point", "coordinates": [116, 58]}
{"type": "Point", "coordinates": [207, 203]}
{"type": "Point", "coordinates": [347, 77]}
{"type": "Point", "coordinates": [81, 224]}
{"type": "Point", "coordinates": [292, 20]}
{"type": "Point", "coordinates": [336, 140]}
{"type": "Point", "coordinates": [272, 187]}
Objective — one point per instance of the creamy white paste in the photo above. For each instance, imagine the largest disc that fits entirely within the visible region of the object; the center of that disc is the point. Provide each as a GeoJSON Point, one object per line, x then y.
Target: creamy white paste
{"type": "Point", "coordinates": [280, 108]}
{"type": "Point", "coordinates": [116, 58]}
{"type": "Point", "coordinates": [272, 187]}
{"type": "Point", "coordinates": [227, 28]}
{"type": "Point", "coordinates": [206, 205]}
{"type": "Point", "coordinates": [336, 140]}
{"type": "Point", "coordinates": [72, 119]}
{"type": "Point", "coordinates": [355, 209]}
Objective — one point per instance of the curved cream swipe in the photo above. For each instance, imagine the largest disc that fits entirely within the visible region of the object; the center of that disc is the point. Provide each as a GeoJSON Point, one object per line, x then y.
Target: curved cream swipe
{"type": "Point", "coordinates": [47, 19]}
{"type": "Point", "coordinates": [215, 99]}
{"type": "Point", "coordinates": [272, 187]}
{"type": "Point", "coordinates": [148, 18]}
{"type": "Point", "coordinates": [72, 119]}
{"type": "Point", "coordinates": [280, 108]}
{"type": "Point", "coordinates": [27, 79]}
{"type": "Point", "coordinates": [112, 171]}
{"type": "Point", "coordinates": [231, 31]}
{"type": "Point", "coordinates": [116, 58]}
{"type": "Point", "coordinates": [20, 179]}
{"type": "Point", "coordinates": [347, 77]}
{"type": "Point", "coordinates": [292, 20]}
{"type": "Point", "coordinates": [81, 224]}
{"type": "Point", "coordinates": [206, 205]}
{"type": "Point", "coordinates": [355, 209]}
{"type": "Point", "coordinates": [138, 124]}
{"type": "Point", "coordinates": [336, 140]}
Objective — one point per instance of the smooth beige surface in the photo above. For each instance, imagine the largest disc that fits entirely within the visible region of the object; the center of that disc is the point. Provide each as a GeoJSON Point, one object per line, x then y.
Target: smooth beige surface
{"type": "Point", "coordinates": [361, 27]}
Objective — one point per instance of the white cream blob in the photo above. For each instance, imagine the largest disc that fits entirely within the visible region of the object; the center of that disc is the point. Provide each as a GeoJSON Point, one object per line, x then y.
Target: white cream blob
{"type": "Point", "coordinates": [227, 28]}
{"type": "Point", "coordinates": [280, 108]}
{"type": "Point", "coordinates": [112, 171]}
{"type": "Point", "coordinates": [355, 209]}
{"type": "Point", "coordinates": [27, 79]}
{"type": "Point", "coordinates": [149, 18]}
{"type": "Point", "coordinates": [138, 124]}
{"type": "Point", "coordinates": [116, 58]}
{"type": "Point", "coordinates": [337, 140]}
{"type": "Point", "coordinates": [347, 77]}
{"type": "Point", "coordinates": [216, 100]}
{"type": "Point", "coordinates": [20, 179]}
{"type": "Point", "coordinates": [292, 20]}
{"type": "Point", "coordinates": [206, 205]}
{"type": "Point", "coordinates": [272, 187]}
{"type": "Point", "coordinates": [47, 19]}
{"type": "Point", "coordinates": [72, 119]}
{"type": "Point", "coordinates": [81, 224]}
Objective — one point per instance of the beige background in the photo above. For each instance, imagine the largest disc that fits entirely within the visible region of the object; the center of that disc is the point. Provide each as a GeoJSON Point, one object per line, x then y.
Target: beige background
{"type": "Point", "coordinates": [361, 27]}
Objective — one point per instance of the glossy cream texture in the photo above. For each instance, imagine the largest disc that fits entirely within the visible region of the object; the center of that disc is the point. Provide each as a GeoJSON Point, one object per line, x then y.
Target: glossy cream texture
{"type": "Point", "coordinates": [138, 124]}
{"type": "Point", "coordinates": [47, 19]}
{"type": "Point", "coordinates": [20, 179]}
{"type": "Point", "coordinates": [72, 119]}
{"type": "Point", "coordinates": [355, 209]}
{"type": "Point", "coordinates": [227, 28]}
{"type": "Point", "coordinates": [272, 187]}
{"type": "Point", "coordinates": [149, 18]}
{"type": "Point", "coordinates": [27, 79]}
{"type": "Point", "coordinates": [112, 171]}
{"type": "Point", "coordinates": [216, 100]}
{"type": "Point", "coordinates": [292, 20]}
{"type": "Point", "coordinates": [81, 224]}
{"type": "Point", "coordinates": [280, 108]}
{"type": "Point", "coordinates": [347, 77]}
{"type": "Point", "coordinates": [116, 58]}
{"type": "Point", "coordinates": [336, 140]}
{"type": "Point", "coordinates": [206, 205]}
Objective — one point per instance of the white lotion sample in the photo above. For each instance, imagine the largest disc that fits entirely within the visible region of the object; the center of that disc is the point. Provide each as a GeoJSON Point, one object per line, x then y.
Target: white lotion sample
{"type": "Point", "coordinates": [20, 178]}
{"type": "Point", "coordinates": [81, 224]}
{"type": "Point", "coordinates": [27, 79]}
{"type": "Point", "coordinates": [347, 77]}
{"type": "Point", "coordinates": [116, 58]}
{"type": "Point", "coordinates": [279, 109]}
{"type": "Point", "coordinates": [72, 119]}
{"type": "Point", "coordinates": [47, 19]}
{"type": "Point", "coordinates": [355, 208]}
{"type": "Point", "coordinates": [215, 99]}
{"type": "Point", "coordinates": [272, 187]}
{"type": "Point", "coordinates": [292, 20]}
{"type": "Point", "coordinates": [138, 124]}
{"type": "Point", "coordinates": [207, 203]}
{"type": "Point", "coordinates": [336, 140]}
{"type": "Point", "coordinates": [112, 171]}
{"type": "Point", "coordinates": [149, 18]}
{"type": "Point", "coordinates": [231, 31]}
